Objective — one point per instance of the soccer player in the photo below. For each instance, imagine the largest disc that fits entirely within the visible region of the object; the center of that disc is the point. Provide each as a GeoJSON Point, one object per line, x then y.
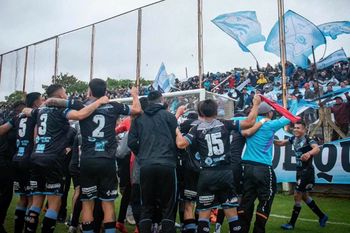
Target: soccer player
{"type": "Point", "coordinates": [304, 149]}
{"type": "Point", "coordinates": [46, 175]}
{"type": "Point", "coordinates": [211, 138]}
{"type": "Point", "coordinates": [97, 166]}
{"type": "Point", "coordinates": [190, 170]}
{"type": "Point", "coordinates": [259, 180]}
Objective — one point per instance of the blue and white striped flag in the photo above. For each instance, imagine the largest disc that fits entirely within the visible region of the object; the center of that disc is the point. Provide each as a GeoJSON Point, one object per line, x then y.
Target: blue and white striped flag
{"type": "Point", "coordinates": [163, 81]}
{"type": "Point", "coordinates": [332, 58]}
{"type": "Point", "coordinates": [300, 34]}
{"type": "Point", "coordinates": [243, 26]}
{"type": "Point", "coordinates": [333, 29]}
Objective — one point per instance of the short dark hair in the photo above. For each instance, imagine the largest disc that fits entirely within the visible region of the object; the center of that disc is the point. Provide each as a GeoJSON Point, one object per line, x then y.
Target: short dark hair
{"type": "Point", "coordinates": [51, 90]}
{"type": "Point", "coordinates": [155, 97]}
{"type": "Point", "coordinates": [300, 123]}
{"type": "Point", "coordinates": [144, 103]}
{"type": "Point", "coordinates": [31, 98]}
{"type": "Point", "coordinates": [97, 87]}
{"type": "Point", "coordinates": [208, 108]}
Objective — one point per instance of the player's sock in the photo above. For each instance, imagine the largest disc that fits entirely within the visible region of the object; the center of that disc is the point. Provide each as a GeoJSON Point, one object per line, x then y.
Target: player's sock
{"type": "Point", "coordinates": [110, 227]}
{"type": "Point", "coordinates": [203, 225]}
{"type": "Point", "coordinates": [49, 222]}
{"type": "Point", "coordinates": [32, 219]}
{"type": "Point", "coordinates": [234, 224]}
{"type": "Point", "coordinates": [295, 214]}
{"type": "Point", "coordinates": [312, 204]}
{"type": "Point", "coordinates": [88, 227]}
{"type": "Point", "coordinates": [20, 213]}
{"type": "Point", "coordinates": [189, 226]}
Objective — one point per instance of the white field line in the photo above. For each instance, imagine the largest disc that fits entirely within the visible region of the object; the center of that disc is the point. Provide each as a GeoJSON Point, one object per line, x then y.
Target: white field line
{"type": "Point", "coordinates": [309, 220]}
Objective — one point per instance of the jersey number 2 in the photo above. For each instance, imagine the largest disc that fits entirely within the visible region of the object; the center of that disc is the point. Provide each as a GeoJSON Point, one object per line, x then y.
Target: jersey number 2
{"type": "Point", "coordinates": [215, 144]}
{"type": "Point", "coordinates": [100, 120]}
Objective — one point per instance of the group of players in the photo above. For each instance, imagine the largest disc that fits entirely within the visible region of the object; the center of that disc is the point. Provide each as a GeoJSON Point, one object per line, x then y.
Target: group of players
{"type": "Point", "coordinates": [199, 161]}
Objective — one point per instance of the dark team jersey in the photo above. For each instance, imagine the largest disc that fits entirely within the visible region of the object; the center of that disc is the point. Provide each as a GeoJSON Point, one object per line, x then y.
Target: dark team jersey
{"type": "Point", "coordinates": [190, 159]}
{"type": "Point", "coordinates": [300, 147]}
{"type": "Point", "coordinates": [25, 137]}
{"type": "Point", "coordinates": [52, 127]}
{"type": "Point", "coordinates": [212, 141]}
{"type": "Point", "coordinates": [98, 130]}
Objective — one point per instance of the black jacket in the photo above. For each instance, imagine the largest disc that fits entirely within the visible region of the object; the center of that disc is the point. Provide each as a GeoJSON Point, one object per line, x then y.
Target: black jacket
{"type": "Point", "coordinates": [152, 137]}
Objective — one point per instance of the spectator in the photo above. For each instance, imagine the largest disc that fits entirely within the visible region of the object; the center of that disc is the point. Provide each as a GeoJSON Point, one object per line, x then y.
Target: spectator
{"type": "Point", "coordinates": [262, 80]}
{"type": "Point", "coordinates": [341, 113]}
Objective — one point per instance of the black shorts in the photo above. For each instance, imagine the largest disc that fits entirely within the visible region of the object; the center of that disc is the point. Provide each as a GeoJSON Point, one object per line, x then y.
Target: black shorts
{"type": "Point", "coordinates": [47, 177]}
{"type": "Point", "coordinates": [215, 190]}
{"type": "Point", "coordinates": [98, 177]}
{"type": "Point", "coordinates": [305, 180]}
{"type": "Point", "coordinates": [21, 177]}
{"type": "Point", "coordinates": [190, 185]}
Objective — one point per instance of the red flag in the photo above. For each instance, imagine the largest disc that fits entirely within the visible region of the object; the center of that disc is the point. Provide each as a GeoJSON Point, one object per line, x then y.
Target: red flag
{"type": "Point", "coordinates": [281, 110]}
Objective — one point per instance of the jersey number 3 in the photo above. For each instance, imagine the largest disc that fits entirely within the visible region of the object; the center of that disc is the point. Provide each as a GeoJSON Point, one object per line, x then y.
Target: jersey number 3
{"type": "Point", "coordinates": [100, 120]}
{"type": "Point", "coordinates": [215, 144]}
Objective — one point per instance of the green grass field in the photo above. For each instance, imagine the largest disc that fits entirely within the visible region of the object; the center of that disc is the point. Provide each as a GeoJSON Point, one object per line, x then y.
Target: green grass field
{"type": "Point", "coordinates": [338, 210]}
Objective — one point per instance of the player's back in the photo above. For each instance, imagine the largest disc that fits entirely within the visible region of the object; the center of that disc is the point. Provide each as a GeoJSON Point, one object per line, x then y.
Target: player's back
{"type": "Point", "coordinates": [25, 137]}
{"type": "Point", "coordinates": [98, 132]}
{"type": "Point", "coordinates": [52, 127]}
{"type": "Point", "coordinates": [213, 143]}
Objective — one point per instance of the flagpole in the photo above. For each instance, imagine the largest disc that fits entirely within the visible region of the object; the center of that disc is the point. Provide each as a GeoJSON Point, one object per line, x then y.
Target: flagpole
{"type": "Point", "coordinates": [138, 59]}
{"type": "Point", "coordinates": [200, 42]}
{"type": "Point", "coordinates": [282, 43]}
{"type": "Point", "coordinates": [57, 44]}
{"type": "Point", "coordinates": [92, 51]}
{"type": "Point", "coordinates": [25, 70]}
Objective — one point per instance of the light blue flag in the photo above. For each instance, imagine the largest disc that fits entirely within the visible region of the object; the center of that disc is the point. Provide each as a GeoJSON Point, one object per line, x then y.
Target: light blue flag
{"type": "Point", "coordinates": [163, 81]}
{"type": "Point", "coordinates": [243, 26]}
{"type": "Point", "coordinates": [332, 58]}
{"type": "Point", "coordinates": [333, 29]}
{"type": "Point", "coordinates": [300, 34]}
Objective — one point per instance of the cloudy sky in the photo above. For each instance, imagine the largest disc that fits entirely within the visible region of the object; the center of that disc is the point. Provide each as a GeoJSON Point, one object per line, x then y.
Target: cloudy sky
{"type": "Point", "coordinates": [169, 35]}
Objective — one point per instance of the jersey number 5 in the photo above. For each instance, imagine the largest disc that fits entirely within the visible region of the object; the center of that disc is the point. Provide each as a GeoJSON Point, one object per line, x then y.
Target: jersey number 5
{"type": "Point", "coordinates": [100, 120]}
{"type": "Point", "coordinates": [215, 144]}
{"type": "Point", "coordinates": [22, 127]}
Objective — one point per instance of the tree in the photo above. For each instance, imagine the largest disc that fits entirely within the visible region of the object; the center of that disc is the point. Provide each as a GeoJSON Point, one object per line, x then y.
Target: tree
{"type": "Point", "coordinates": [15, 96]}
{"type": "Point", "coordinates": [70, 83]}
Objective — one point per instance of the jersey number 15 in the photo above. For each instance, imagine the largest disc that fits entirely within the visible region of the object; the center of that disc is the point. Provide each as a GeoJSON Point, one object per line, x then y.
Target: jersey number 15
{"type": "Point", "coordinates": [215, 144]}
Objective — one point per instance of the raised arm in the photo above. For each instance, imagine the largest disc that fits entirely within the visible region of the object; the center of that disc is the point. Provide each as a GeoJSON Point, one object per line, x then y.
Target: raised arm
{"type": "Point", "coordinates": [136, 105]}
{"type": "Point", "coordinates": [250, 121]}
{"type": "Point", "coordinates": [249, 132]}
{"type": "Point", "coordinates": [86, 111]}
{"type": "Point", "coordinates": [181, 141]}
{"type": "Point", "coordinates": [57, 102]}
{"type": "Point", "coordinates": [283, 121]}
{"type": "Point", "coordinates": [280, 142]}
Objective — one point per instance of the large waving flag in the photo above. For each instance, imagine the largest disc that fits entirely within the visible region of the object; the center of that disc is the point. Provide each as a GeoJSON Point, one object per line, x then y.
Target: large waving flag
{"type": "Point", "coordinates": [333, 29]}
{"type": "Point", "coordinates": [163, 81]}
{"type": "Point", "coordinates": [301, 35]}
{"type": "Point", "coordinates": [243, 26]}
{"type": "Point", "coordinates": [332, 58]}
